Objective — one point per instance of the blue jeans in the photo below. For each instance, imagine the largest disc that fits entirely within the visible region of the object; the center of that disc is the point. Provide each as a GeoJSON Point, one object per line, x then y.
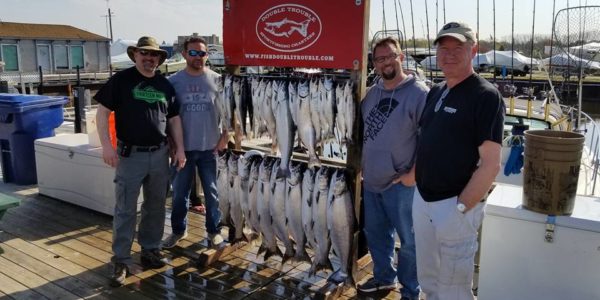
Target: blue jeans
{"type": "Point", "coordinates": [385, 212]}
{"type": "Point", "coordinates": [150, 170]}
{"type": "Point", "coordinates": [206, 163]}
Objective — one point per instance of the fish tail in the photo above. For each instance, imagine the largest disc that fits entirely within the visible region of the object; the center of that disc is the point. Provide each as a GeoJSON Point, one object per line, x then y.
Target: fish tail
{"type": "Point", "coordinates": [302, 255]}
{"type": "Point", "coordinates": [289, 253]}
{"type": "Point", "coordinates": [283, 172]}
{"type": "Point", "coordinates": [272, 252]}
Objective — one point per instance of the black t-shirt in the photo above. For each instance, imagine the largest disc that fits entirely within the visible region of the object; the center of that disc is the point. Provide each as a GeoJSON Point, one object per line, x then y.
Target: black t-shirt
{"type": "Point", "coordinates": [142, 106]}
{"type": "Point", "coordinates": [447, 154]}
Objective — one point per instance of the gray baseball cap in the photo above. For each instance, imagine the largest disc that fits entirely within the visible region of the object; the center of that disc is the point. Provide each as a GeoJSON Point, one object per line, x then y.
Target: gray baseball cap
{"type": "Point", "coordinates": [457, 30]}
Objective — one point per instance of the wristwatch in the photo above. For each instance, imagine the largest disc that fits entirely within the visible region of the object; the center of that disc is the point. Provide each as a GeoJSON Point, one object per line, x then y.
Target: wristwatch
{"type": "Point", "coordinates": [461, 207]}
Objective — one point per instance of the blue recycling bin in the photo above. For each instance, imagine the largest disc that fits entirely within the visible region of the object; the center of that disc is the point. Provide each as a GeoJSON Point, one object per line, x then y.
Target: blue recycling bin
{"type": "Point", "coordinates": [23, 119]}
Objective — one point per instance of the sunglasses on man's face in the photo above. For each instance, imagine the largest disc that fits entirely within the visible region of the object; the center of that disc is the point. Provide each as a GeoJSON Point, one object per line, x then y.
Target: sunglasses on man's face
{"type": "Point", "coordinates": [196, 53]}
{"type": "Point", "coordinates": [151, 53]}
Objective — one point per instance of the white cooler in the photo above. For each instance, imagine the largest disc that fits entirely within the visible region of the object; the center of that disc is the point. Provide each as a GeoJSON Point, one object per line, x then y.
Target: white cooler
{"type": "Point", "coordinates": [69, 169]}
{"type": "Point", "coordinates": [517, 262]}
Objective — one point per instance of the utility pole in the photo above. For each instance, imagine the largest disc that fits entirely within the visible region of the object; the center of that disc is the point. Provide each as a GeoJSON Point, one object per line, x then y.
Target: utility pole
{"type": "Point", "coordinates": [110, 25]}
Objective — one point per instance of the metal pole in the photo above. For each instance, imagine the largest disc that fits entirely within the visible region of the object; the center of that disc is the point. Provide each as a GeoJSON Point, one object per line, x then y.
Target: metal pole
{"type": "Point", "coordinates": [110, 25]}
{"type": "Point", "coordinates": [79, 103]}
{"type": "Point", "coordinates": [78, 77]}
{"type": "Point", "coordinates": [41, 85]}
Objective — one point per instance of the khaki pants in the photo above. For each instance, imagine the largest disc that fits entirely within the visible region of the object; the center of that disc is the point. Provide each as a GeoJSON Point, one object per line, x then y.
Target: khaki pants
{"type": "Point", "coordinates": [446, 242]}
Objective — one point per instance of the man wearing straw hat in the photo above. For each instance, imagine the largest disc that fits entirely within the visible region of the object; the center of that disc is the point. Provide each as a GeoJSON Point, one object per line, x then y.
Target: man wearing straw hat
{"type": "Point", "coordinates": [144, 104]}
{"type": "Point", "coordinates": [458, 158]}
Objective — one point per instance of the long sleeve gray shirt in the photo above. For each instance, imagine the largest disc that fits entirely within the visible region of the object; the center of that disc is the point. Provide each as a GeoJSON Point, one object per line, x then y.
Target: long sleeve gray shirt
{"type": "Point", "coordinates": [390, 120]}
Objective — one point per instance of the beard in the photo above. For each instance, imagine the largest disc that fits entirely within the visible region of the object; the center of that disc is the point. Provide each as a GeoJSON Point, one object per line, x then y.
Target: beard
{"type": "Point", "coordinates": [389, 75]}
{"type": "Point", "coordinates": [195, 65]}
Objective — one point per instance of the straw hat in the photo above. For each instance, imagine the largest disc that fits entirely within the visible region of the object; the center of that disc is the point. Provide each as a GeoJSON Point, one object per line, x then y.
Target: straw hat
{"type": "Point", "coordinates": [147, 43]}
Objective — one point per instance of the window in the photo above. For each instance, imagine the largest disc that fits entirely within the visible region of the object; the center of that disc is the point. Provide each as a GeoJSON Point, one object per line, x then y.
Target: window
{"type": "Point", "coordinates": [10, 57]}
{"type": "Point", "coordinates": [77, 57]}
{"type": "Point", "coordinates": [61, 57]}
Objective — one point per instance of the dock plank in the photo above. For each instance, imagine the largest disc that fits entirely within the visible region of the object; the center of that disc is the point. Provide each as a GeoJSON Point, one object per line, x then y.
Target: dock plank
{"type": "Point", "coordinates": [16, 290]}
{"type": "Point", "coordinates": [67, 242]}
{"type": "Point", "coordinates": [33, 281]}
{"type": "Point", "coordinates": [52, 274]}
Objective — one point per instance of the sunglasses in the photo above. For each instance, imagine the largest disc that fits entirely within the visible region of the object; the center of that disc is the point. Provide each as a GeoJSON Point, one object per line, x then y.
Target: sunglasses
{"type": "Point", "coordinates": [151, 53]}
{"type": "Point", "coordinates": [196, 53]}
{"type": "Point", "coordinates": [382, 59]}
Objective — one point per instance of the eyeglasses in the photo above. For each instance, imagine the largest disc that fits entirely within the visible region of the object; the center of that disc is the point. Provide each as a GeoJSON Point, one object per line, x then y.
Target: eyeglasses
{"type": "Point", "coordinates": [196, 53]}
{"type": "Point", "coordinates": [151, 53]}
{"type": "Point", "coordinates": [382, 59]}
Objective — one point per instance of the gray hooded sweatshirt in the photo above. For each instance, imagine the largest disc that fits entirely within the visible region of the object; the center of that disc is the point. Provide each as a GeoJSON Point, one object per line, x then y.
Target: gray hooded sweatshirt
{"type": "Point", "coordinates": [390, 119]}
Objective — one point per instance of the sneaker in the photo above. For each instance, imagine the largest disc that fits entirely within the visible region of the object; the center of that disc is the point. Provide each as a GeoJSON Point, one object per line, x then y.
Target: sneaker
{"type": "Point", "coordinates": [215, 239]}
{"type": "Point", "coordinates": [119, 274]}
{"type": "Point", "coordinates": [201, 209]}
{"type": "Point", "coordinates": [153, 259]}
{"type": "Point", "coordinates": [173, 239]}
{"type": "Point", "coordinates": [373, 285]}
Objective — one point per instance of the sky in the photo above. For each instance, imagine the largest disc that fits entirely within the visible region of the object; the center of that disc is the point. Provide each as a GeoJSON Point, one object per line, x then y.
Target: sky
{"type": "Point", "coordinates": [167, 19]}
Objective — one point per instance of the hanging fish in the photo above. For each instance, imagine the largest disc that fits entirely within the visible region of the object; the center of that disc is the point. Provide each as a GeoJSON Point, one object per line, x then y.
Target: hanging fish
{"type": "Point", "coordinates": [319, 215]}
{"type": "Point", "coordinates": [261, 127]}
{"type": "Point", "coordinates": [235, 209]}
{"type": "Point", "coordinates": [306, 131]}
{"type": "Point", "coordinates": [253, 195]}
{"type": "Point", "coordinates": [269, 243]}
{"type": "Point", "coordinates": [340, 121]}
{"type": "Point", "coordinates": [228, 101]}
{"type": "Point", "coordinates": [315, 107]}
{"type": "Point", "coordinates": [255, 93]}
{"type": "Point", "coordinates": [308, 183]}
{"type": "Point", "coordinates": [244, 165]}
{"type": "Point", "coordinates": [349, 110]}
{"type": "Point", "coordinates": [247, 109]}
{"type": "Point", "coordinates": [327, 108]}
{"type": "Point", "coordinates": [285, 130]}
{"type": "Point", "coordinates": [293, 211]}
{"type": "Point", "coordinates": [267, 111]}
{"type": "Point", "coordinates": [340, 222]}
{"type": "Point", "coordinates": [294, 103]}
{"type": "Point", "coordinates": [223, 186]}
{"type": "Point", "coordinates": [237, 99]}
{"type": "Point", "coordinates": [278, 216]}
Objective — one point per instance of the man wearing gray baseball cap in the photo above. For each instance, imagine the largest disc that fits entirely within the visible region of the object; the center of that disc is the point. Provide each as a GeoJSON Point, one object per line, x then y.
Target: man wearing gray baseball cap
{"type": "Point", "coordinates": [458, 157]}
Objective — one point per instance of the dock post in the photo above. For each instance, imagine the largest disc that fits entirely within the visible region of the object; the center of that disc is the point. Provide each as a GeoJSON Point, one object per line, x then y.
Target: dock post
{"type": "Point", "coordinates": [79, 105]}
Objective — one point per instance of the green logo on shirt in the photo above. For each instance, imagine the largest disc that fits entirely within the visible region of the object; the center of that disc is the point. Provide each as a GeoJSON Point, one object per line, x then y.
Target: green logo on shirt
{"type": "Point", "coordinates": [149, 94]}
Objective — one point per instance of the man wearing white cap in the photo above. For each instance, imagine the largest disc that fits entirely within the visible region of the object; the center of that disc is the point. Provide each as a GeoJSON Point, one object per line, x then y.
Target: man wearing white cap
{"type": "Point", "coordinates": [458, 158]}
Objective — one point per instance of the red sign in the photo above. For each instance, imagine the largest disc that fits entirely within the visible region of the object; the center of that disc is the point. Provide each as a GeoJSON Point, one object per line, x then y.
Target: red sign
{"type": "Point", "coordinates": [298, 33]}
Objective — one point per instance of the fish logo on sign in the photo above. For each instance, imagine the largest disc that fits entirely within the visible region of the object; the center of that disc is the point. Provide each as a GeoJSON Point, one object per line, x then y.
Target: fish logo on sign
{"type": "Point", "coordinates": [288, 27]}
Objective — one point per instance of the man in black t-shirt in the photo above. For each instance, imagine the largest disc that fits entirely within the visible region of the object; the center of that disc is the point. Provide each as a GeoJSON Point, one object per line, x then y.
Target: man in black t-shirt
{"type": "Point", "coordinates": [144, 103]}
{"type": "Point", "coordinates": [458, 157]}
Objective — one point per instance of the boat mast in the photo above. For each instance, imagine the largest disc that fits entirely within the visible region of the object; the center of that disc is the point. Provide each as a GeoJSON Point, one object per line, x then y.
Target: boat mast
{"type": "Point", "coordinates": [383, 21]}
{"type": "Point", "coordinates": [532, 42]}
{"type": "Point", "coordinates": [512, 46]}
{"type": "Point", "coordinates": [494, 42]}
{"type": "Point", "coordinates": [428, 41]}
{"type": "Point", "coordinates": [551, 50]}
{"type": "Point", "coordinates": [478, 37]}
{"type": "Point", "coordinates": [403, 28]}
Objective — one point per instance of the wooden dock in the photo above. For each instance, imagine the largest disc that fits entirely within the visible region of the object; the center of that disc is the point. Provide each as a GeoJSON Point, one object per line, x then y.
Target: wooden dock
{"type": "Point", "coordinates": [53, 250]}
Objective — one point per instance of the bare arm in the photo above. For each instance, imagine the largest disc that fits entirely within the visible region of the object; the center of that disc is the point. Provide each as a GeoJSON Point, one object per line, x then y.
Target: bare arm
{"type": "Point", "coordinates": [481, 181]}
{"type": "Point", "coordinates": [222, 143]}
{"type": "Point", "coordinates": [176, 133]}
{"type": "Point", "coordinates": [108, 152]}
